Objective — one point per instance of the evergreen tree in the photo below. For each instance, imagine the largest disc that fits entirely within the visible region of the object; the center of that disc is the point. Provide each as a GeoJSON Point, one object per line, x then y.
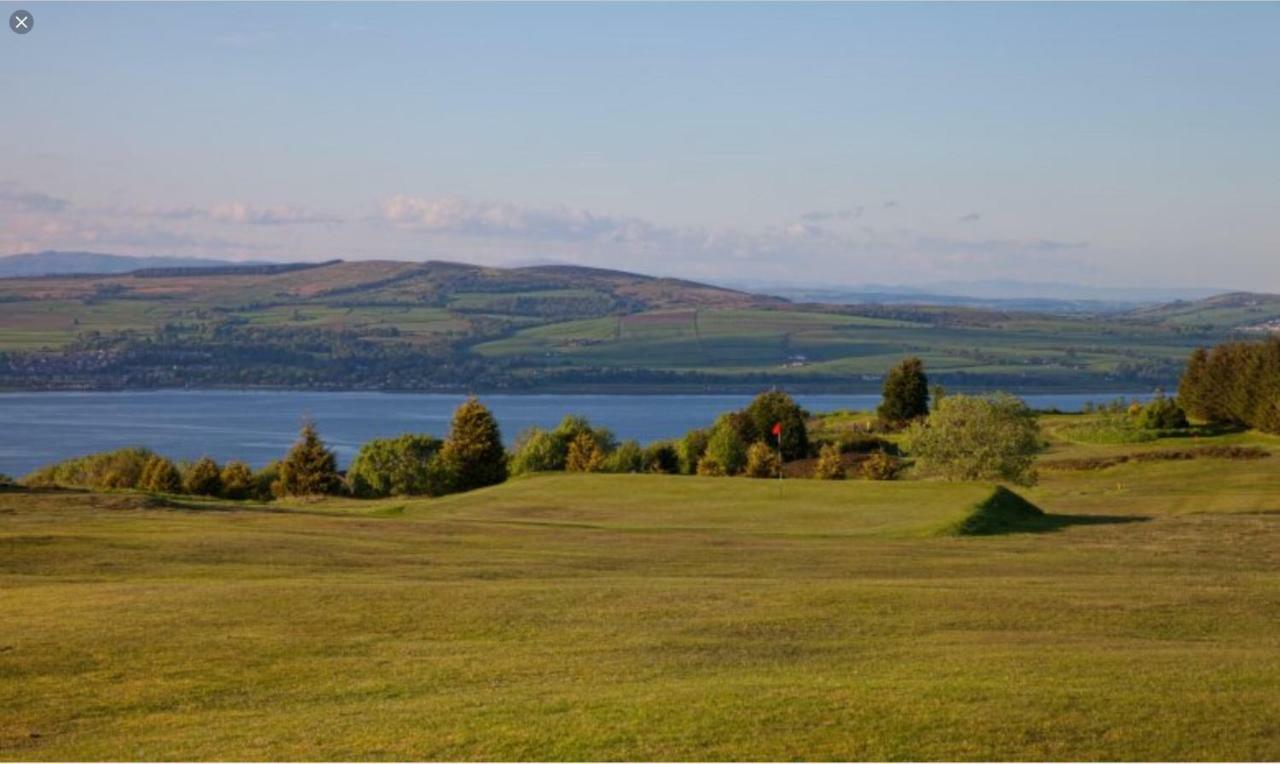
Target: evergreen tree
{"type": "Point", "coordinates": [473, 451]}
{"type": "Point", "coordinates": [203, 478]}
{"type": "Point", "coordinates": [776, 407]}
{"type": "Point", "coordinates": [310, 468]}
{"type": "Point", "coordinates": [237, 480]}
{"type": "Point", "coordinates": [906, 393]}
{"type": "Point", "coordinates": [584, 455]}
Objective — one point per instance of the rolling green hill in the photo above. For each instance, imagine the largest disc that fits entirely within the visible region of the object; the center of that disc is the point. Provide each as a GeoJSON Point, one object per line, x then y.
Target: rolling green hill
{"type": "Point", "coordinates": [438, 325]}
{"type": "Point", "coordinates": [623, 617]}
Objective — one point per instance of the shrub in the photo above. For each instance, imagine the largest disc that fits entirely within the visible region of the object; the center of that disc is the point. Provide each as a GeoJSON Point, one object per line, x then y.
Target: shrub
{"type": "Point", "coordinates": [776, 407]}
{"type": "Point", "coordinates": [978, 438]}
{"type": "Point", "coordinates": [399, 466]}
{"type": "Point", "coordinates": [627, 457]}
{"type": "Point", "coordinates": [584, 454]}
{"type": "Point", "coordinates": [762, 461]}
{"type": "Point", "coordinates": [121, 468]}
{"type": "Point", "coordinates": [662, 458]}
{"type": "Point", "coordinates": [203, 478]}
{"type": "Point", "coordinates": [537, 451]}
{"type": "Point", "coordinates": [237, 480]}
{"type": "Point", "coordinates": [880, 466]}
{"type": "Point", "coordinates": [725, 452]}
{"type": "Point", "coordinates": [572, 426]}
{"type": "Point", "coordinates": [1161, 414]}
{"type": "Point", "coordinates": [161, 476]}
{"type": "Point", "coordinates": [310, 468]}
{"type": "Point", "coordinates": [266, 482]}
{"type": "Point", "coordinates": [691, 448]}
{"type": "Point", "coordinates": [830, 464]}
{"type": "Point", "coordinates": [905, 395]}
{"type": "Point", "coordinates": [710, 468]}
{"type": "Point", "coordinates": [473, 454]}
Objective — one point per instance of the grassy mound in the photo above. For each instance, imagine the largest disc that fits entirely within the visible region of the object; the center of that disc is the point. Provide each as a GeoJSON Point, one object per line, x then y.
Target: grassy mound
{"type": "Point", "coordinates": [1002, 512]}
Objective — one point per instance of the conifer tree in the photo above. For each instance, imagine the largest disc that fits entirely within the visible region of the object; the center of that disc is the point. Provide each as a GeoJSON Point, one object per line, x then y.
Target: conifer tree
{"type": "Point", "coordinates": [906, 393]}
{"type": "Point", "coordinates": [584, 455]}
{"type": "Point", "coordinates": [473, 452]}
{"type": "Point", "coordinates": [310, 468]}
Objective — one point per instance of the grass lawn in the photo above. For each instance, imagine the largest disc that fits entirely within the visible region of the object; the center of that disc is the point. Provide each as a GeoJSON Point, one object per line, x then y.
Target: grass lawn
{"type": "Point", "coordinates": [607, 617]}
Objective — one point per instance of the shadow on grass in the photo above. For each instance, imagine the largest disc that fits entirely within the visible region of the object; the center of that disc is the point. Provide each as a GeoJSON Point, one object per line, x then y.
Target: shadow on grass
{"type": "Point", "coordinates": [1049, 523]}
{"type": "Point", "coordinates": [1006, 512]}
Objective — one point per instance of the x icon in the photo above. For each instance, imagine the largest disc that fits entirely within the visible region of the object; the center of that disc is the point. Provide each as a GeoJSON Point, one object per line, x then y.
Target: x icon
{"type": "Point", "coordinates": [21, 22]}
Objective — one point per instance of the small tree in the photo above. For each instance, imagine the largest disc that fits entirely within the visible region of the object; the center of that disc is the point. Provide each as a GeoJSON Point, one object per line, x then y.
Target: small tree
{"type": "Point", "coordinates": [572, 426]}
{"type": "Point", "coordinates": [266, 482]}
{"type": "Point", "coordinates": [537, 451]}
{"type": "Point", "coordinates": [627, 457]}
{"type": "Point", "coordinates": [310, 468]}
{"type": "Point", "coordinates": [1161, 414]}
{"type": "Point", "coordinates": [584, 454]}
{"type": "Point", "coordinates": [237, 480]}
{"type": "Point", "coordinates": [161, 476]}
{"type": "Point", "coordinates": [661, 458]}
{"type": "Point", "coordinates": [830, 464]}
{"type": "Point", "coordinates": [473, 452]}
{"type": "Point", "coordinates": [762, 461]}
{"type": "Point", "coordinates": [399, 466]}
{"type": "Point", "coordinates": [203, 478]}
{"type": "Point", "coordinates": [978, 438]}
{"type": "Point", "coordinates": [691, 448]}
{"type": "Point", "coordinates": [726, 454]}
{"type": "Point", "coordinates": [906, 393]}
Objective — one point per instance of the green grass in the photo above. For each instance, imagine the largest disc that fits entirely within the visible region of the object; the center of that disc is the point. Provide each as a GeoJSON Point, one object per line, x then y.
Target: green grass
{"type": "Point", "coordinates": [642, 617]}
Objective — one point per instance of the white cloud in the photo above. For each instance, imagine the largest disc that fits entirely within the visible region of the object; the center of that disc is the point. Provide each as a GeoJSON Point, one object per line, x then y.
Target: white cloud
{"type": "Point", "coordinates": [455, 215]}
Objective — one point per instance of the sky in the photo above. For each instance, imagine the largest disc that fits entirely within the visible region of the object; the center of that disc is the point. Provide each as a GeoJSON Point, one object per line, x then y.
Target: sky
{"type": "Point", "coordinates": [793, 144]}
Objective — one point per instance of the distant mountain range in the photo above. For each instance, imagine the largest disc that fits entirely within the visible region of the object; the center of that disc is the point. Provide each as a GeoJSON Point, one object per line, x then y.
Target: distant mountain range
{"type": "Point", "coordinates": [1049, 297]}
{"type": "Point", "coordinates": [998, 294]}
{"type": "Point", "coordinates": [51, 263]}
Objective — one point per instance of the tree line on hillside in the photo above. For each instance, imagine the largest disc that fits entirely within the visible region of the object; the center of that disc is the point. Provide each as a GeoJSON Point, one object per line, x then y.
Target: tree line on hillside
{"type": "Point", "coordinates": [1236, 383]}
{"type": "Point", "coordinates": [965, 438]}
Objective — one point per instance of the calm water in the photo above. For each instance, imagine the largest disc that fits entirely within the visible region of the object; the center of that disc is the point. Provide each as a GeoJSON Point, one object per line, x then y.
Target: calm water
{"type": "Point", "coordinates": [258, 426]}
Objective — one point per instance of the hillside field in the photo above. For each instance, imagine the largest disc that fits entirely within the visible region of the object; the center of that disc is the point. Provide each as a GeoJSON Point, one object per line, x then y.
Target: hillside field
{"type": "Point", "coordinates": [449, 326]}
{"type": "Point", "coordinates": [598, 617]}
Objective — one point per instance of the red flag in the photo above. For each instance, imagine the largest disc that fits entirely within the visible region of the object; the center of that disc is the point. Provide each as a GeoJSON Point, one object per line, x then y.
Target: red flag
{"type": "Point", "coordinates": [777, 430]}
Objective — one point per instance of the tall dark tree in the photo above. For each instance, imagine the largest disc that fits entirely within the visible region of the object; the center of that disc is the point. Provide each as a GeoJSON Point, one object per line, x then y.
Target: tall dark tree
{"type": "Point", "coordinates": [1235, 383]}
{"type": "Point", "coordinates": [473, 451]}
{"type": "Point", "coordinates": [776, 407]}
{"type": "Point", "coordinates": [1192, 394]}
{"type": "Point", "coordinates": [906, 392]}
{"type": "Point", "coordinates": [310, 468]}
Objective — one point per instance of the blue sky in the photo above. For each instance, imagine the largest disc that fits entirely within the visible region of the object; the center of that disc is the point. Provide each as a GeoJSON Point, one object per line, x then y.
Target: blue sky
{"type": "Point", "coordinates": [1129, 144]}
